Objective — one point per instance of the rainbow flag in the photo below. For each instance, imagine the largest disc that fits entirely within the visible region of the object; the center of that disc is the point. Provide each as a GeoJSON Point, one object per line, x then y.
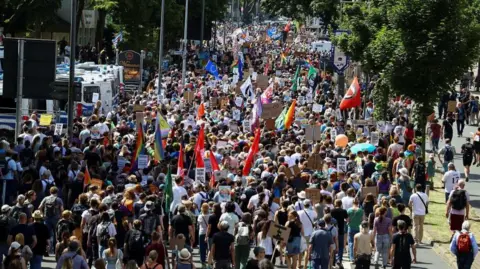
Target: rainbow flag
{"type": "Point", "coordinates": [290, 116]}
{"type": "Point", "coordinates": [158, 153]}
{"type": "Point", "coordinates": [139, 148]}
{"type": "Point", "coordinates": [283, 59]}
{"type": "Point", "coordinates": [164, 126]}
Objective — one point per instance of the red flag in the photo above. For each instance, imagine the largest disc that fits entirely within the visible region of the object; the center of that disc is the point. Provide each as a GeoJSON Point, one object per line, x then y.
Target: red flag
{"type": "Point", "coordinates": [200, 148]}
{"type": "Point", "coordinates": [180, 165]}
{"type": "Point", "coordinates": [352, 98]}
{"type": "Point", "coordinates": [215, 167]}
{"type": "Point", "coordinates": [287, 27]}
{"type": "Point", "coordinates": [201, 111]}
{"type": "Point", "coordinates": [251, 153]}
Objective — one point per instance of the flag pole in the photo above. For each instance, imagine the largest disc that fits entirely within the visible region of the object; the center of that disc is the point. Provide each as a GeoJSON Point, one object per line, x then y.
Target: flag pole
{"type": "Point", "coordinates": [184, 55]}
{"type": "Point", "coordinates": [160, 50]}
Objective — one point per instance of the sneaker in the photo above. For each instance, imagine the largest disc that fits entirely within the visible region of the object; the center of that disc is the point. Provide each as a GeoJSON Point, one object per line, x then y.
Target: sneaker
{"type": "Point", "coordinates": [466, 179]}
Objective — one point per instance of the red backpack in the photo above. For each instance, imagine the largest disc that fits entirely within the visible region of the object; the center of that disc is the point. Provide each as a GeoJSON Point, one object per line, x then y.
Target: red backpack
{"type": "Point", "coordinates": [464, 244]}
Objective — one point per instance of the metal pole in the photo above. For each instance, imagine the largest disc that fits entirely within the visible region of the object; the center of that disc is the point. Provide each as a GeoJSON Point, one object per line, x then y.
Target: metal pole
{"type": "Point", "coordinates": [160, 51]}
{"type": "Point", "coordinates": [71, 86]}
{"type": "Point", "coordinates": [202, 26]}
{"type": "Point", "coordinates": [184, 66]}
{"type": "Point", "coordinates": [116, 56]}
{"type": "Point", "coordinates": [142, 55]}
{"type": "Point", "coordinates": [18, 113]}
{"type": "Point", "coordinates": [239, 13]}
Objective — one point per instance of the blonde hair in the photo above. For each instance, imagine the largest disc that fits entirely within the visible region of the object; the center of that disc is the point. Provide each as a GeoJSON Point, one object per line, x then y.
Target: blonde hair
{"type": "Point", "coordinates": [205, 208]}
{"type": "Point", "coordinates": [20, 239]}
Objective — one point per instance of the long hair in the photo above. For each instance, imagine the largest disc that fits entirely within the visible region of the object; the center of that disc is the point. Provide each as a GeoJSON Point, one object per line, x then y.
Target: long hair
{"type": "Point", "coordinates": [297, 218]}
{"type": "Point", "coordinates": [265, 228]}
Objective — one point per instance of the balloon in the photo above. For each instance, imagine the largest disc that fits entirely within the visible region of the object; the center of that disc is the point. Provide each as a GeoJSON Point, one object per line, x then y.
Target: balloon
{"type": "Point", "coordinates": [341, 141]}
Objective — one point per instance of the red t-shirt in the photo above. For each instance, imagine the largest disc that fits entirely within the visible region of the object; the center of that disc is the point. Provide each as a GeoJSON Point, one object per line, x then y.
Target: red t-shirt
{"type": "Point", "coordinates": [436, 128]}
{"type": "Point", "coordinates": [160, 249]}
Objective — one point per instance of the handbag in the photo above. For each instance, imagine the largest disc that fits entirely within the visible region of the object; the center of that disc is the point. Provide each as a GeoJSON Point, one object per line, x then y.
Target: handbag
{"type": "Point", "coordinates": [363, 257]}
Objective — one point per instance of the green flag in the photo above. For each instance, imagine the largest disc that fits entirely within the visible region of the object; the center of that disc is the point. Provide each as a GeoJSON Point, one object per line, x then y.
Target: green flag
{"type": "Point", "coordinates": [312, 73]}
{"type": "Point", "coordinates": [280, 121]}
{"type": "Point", "coordinates": [295, 79]}
{"type": "Point", "coordinates": [168, 190]}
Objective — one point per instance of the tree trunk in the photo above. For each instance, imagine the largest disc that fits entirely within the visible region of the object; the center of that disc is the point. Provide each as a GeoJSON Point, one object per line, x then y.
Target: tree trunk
{"type": "Point", "coordinates": [102, 14]}
{"type": "Point", "coordinates": [80, 7]}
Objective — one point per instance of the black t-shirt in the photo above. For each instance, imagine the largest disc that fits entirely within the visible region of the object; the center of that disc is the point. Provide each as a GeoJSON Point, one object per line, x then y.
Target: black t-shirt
{"type": "Point", "coordinates": [448, 127]}
{"type": "Point", "coordinates": [27, 231]}
{"type": "Point", "coordinates": [213, 221]}
{"type": "Point", "coordinates": [222, 241]}
{"type": "Point", "coordinates": [180, 224]}
{"type": "Point", "coordinates": [405, 218]}
{"type": "Point", "coordinates": [252, 264]}
{"type": "Point", "coordinates": [340, 215]}
{"type": "Point", "coordinates": [41, 230]}
{"type": "Point", "coordinates": [402, 244]}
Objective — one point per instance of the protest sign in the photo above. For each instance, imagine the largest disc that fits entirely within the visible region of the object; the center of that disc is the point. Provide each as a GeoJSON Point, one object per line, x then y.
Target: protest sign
{"type": "Point", "coordinates": [236, 114]}
{"type": "Point", "coordinates": [313, 195]}
{"type": "Point", "coordinates": [374, 138]}
{"type": "Point", "coordinates": [367, 190]}
{"type": "Point", "coordinates": [224, 194]}
{"type": "Point", "coordinates": [189, 96]}
{"type": "Point", "coordinates": [208, 165]}
{"type": "Point", "coordinates": [313, 133]}
{"type": "Point", "coordinates": [452, 105]}
{"type": "Point", "coordinates": [95, 97]}
{"type": "Point", "coordinates": [45, 119]}
{"type": "Point", "coordinates": [271, 111]}
{"type": "Point", "coordinates": [58, 129]}
{"type": "Point", "coordinates": [254, 76]}
{"type": "Point", "coordinates": [142, 161]}
{"type": "Point", "coordinates": [341, 164]}
{"type": "Point", "coordinates": [317, 108]}
{"type": "Point", "coordinates": [200, 175]}
{"type": "Point", "coordinates": [222, 144]}
{"type": "Point", "coordinates": [220, 174]}
{"type": "Point", "coordinates": [262, 81]}
{"type": "Point", "coordinates": [238, 101]}
{"type": "Point", "coordinates": [279, 232]}
{"type": "Point", "coordinates": [138, 108]}
{"type": "Point", "coordinates": [270, 124]}
{"type": "Point", "coordinates": [315, 162]}
{"type": "Point", "coordinates": [247, 127]}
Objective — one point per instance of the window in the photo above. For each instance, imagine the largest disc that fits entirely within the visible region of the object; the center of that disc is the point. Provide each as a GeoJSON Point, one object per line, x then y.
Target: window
{"type": "Point", "coordinates": [88, 92]}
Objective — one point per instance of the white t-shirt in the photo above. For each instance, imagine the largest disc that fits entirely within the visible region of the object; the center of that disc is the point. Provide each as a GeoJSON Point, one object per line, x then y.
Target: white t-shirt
{"type": "Point", "coordinates": [265, 243]}
{"type": "Point", "coordinates": [347, 202]}
{"type": "Point", "coordinates": [178, 192]}
{"type": "Point", "coordinates": [417, 204]}
{"type": "Point", "coordinates": [306, 223]}
{"type": "Point", "coordinates": [399, 131]}
{"type": "Point", "coordinates": [111, 229]}
{"type": "Point", "coordinates": [199, 197]}
{"type": "Point", "coordinates": [253, 202]}
{"type": "Point", "coordinates": [451, 179]}
{"type": "Point", "coordinates": [86, 215]}
{"type": "Point", "coordinates": [202, 221]}
{"type": "Point", "coordinates": [232, 220]}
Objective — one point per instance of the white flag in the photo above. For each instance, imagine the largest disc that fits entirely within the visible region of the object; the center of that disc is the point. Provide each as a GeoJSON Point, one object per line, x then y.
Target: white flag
{"type": "Point", "coordinates": [247, 89]}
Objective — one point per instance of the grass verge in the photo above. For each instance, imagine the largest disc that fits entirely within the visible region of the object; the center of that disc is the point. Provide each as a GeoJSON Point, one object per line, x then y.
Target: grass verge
{"type": "Point", "coordinates": [437, 229]}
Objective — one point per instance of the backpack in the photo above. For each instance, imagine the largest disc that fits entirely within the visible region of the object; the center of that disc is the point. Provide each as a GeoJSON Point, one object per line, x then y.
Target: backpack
{"type": "Point", "coordinates": [50, 207]}
{"type": "Point", "coordinates": [459, 200]}
{"type": "Point", "coordinates": [4, 167]}
{"type": "Point", "coordinates": [104, 235]}
{"type": "Point", "coordinates": [468, 152]}
{"type": "Point", "coordinates": [205, 198]}
{"type": "Point", "coordinates": [135, 242]}
{"type": "Point", "coordinates": [62, 226]}
{"type": "Point", "coordinates": [448, 154]}
{"type": "Point", "coordinates": [420, 172]}
{"type": "Point", "coordinates": [48, 185]}
{"type": "Point", "coordinates": [77, 211]}
{"type": "Point", "coordinates": [4, 228]}
{"type": "Point", "coordinates": [15, 212]}
{"type": "Point", "coordinates": [464, 243]}
{"type": "Point", "coordinates": [92, 229]}
{"type": "Point", "coordinates": [242, 237]}
{"type": "Point", "coordinates": [148, 222]}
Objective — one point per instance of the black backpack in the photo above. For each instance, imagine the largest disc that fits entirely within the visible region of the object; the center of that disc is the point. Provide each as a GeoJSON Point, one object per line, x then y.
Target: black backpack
{"type": "Point", "coordinates": [77, 211]}
{"type": "Point", "coordinates": [15, 212]}
{"type": "Point", "coordinates": [4, 227]}
{"type": "Point", "coordinates": [448, 154]}
{"type": "Point", "coordinates": [420, 172]}
{"type": "Point", "coordinates": [62, 226]}
{"type": "Point", "coordinates": [48, 185]}
{"type": "Point", "coordinates": [50, 207]}
{"type": "Point", "coordinates": [459, 200]}
{"type": "Point", "coordinates": [135, 242]}
{"type": "Point", "coordinates": [104, 235]}
{"type": "Point", "coordinates": [4, 167]}
{"type": "Point", "coordinates": [92, 229]}
{"type": "Point", "coordinates": [468, 151]}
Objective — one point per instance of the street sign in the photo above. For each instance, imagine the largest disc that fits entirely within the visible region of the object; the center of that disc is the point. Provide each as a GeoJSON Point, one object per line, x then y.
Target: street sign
{"type": "Point", "coordinates": [339, 59]}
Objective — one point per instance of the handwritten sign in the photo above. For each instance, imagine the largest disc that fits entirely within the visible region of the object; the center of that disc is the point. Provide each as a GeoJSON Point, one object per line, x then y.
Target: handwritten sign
{"type": "Point", "coordinates": [142, 161]}
{"type": "Point", "coordinates": [239, 101]}
{"type": "Point", "coordinates": [247, 128]}
{"type": "Point", "coordinates": [208, 165]}
{"type": "Point", "coordinates": [222, 144]}
{"type": "Point", "coordinates": [236, 114]}
{"type": "Point", "coordinates": [313, 195]}
{"type": "Point", "coordinates": [374, 138]}
{"type": "Point", "coordinates": [45, 119]}
{"type": "Point", "coordinates": [279, 232]}
{"type": "Point", "coordinates": [220, 174]}
{"type": "Point", "coordinates": [367, 190]}
{"type": "Point", "coordinates": [95, 97]}
{"type": "Point", "coordinates": [315, 162]}
{"type": "Point", "coordinates": [224, 194]}
{"type": "Point", "coordinates": [200, 175]}
{"type": "Point", "coordinates": [58, 129]}
{"type": "Point", "coordinates": [272, 110]}
{"type": "Point", "coordinates": [317, 108]}
{"type": "Point", "coordinates": [342, 164]}
{"type": "Point", "coordinates": [138, 108]}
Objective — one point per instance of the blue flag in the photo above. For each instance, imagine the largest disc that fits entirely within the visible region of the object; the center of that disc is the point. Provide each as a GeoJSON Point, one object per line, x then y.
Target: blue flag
{"type": "Point", "coordinates": [240, 69]}
{"type": "Point", "coordinates": [212, 69]}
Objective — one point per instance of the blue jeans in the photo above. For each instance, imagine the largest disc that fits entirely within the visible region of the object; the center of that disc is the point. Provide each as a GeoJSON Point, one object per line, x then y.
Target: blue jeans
{"type": "Point", "coordinates": [465, 260]}
{"type": "Point", "coordinates": [202, 245]}
{"type": "Point", "coordinates": [341, 246]}
{"type": "Point", "coordinates": [351, 234]}
{"type": "Point", "coordinates": [382, 243]}
{"type": "Point", "coordinates": [51, 225]}
{"type": "Point", "coordinates": [320, 263]}
{"type": "Point", "coordinates": [100, 251]}
{"type": "Point", "coordinates": [36, 262]}
{"type": "Point", "coordinates": [435, 144]}
{"type": "Point", "coordinates": [445, 167]}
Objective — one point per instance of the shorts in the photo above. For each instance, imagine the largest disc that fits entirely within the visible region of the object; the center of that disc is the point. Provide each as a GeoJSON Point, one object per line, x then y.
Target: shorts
{"type": "Point", "coordinates": [293, 247]}
{"type": "Point", "coordinates": [456, 222]}
{"type": "Point", "coordinates": [467, 161]}
{"type": "Point", "coordinates": [476, 147]}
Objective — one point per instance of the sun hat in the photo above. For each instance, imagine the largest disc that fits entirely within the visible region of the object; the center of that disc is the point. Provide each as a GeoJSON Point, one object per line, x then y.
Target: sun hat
{"type": "Point", "coordinates": [184, 254]}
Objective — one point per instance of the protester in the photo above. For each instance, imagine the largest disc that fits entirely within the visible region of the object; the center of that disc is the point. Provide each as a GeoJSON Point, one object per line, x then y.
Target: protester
{"type": "Point", "coordinates": [402, 242]}
{"type": "Point", "coordinates": [419, 205]}
{"type": "Point", "coordinates": [362, 247]}
{"type": "Point", "coordinates": [320, 247]}
{"type": "Point", "coordinates": [223, 250]}
{"type": "Point", "coordinates": [464, 246]}
{"type": "Point", "coordinates": [458, 206]}
{"type": "Point", "coordinates": [259, 255]}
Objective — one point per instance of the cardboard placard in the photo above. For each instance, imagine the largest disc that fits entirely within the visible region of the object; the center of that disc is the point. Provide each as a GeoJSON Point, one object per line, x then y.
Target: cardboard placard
{"type": "Point", "coordinates": [96, 182]}
{"type": "Point", "coordinates": [222, 144]}
{"type": "Point", "coordinates": [138, 108]}
{"type": "Point", "coordinates": [214, 102]}
{"type": "Point", "coordinates": [279, 232]}
{"type": "Point", "coordinates": [224, 194]}
{"type": "Point", "coordinates": [374, 138]}
{"type": "Point", "coordinates": [238, 101]}
{"type": "Point", "coordinates": [315, 162]}
{"type": "Point", "coordinates": [247, 127]}
{"type": "Point", "coordinates": [224, 103]}
{"type": "Point", "coordinates": [200, 175]}
{"type": "Point", "coordinates": [313, 195]}
{"type": "Point", "coordinates": [45, 119]}
{"type": "Point", "coordinates": [220, 174]}
{"type": "Point", "coordinates": [296, 170]}
{"type": "Point", "coordinates": [272, 110]}
{"type": "Point", "coordinates": [189, 96]}
{"type": "Point", "coordinates": [270, 124]}
{"type": "Point", "coordinates": [317, 108]}
{"type": "Point", "coordinates": [452, 105]}
{"type": "Point", "coordinates": [313, 133]}
{"type": "Point", "coordinates": [262, 81]}
{"type": "Point", "coordinates": [367, 190]}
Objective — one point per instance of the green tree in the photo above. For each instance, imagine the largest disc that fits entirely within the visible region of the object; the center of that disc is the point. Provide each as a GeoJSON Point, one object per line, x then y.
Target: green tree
{"type": "Point", "coordinates": [419, 47]}
{"type": "Point", "coordinates": [295, 9]}
{"type": "Point", "coordinates": [327, 10]}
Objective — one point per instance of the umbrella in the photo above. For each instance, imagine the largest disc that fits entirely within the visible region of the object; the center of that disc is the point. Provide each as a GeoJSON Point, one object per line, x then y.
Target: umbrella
{"type": "Point", "coordinates": [363, 147]}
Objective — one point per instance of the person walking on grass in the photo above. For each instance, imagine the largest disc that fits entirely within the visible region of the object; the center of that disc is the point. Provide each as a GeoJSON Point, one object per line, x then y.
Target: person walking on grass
{"type": "Point", "coordinates": [458, 206]}
{"type": "Point", "coordinates": [464, 246]}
